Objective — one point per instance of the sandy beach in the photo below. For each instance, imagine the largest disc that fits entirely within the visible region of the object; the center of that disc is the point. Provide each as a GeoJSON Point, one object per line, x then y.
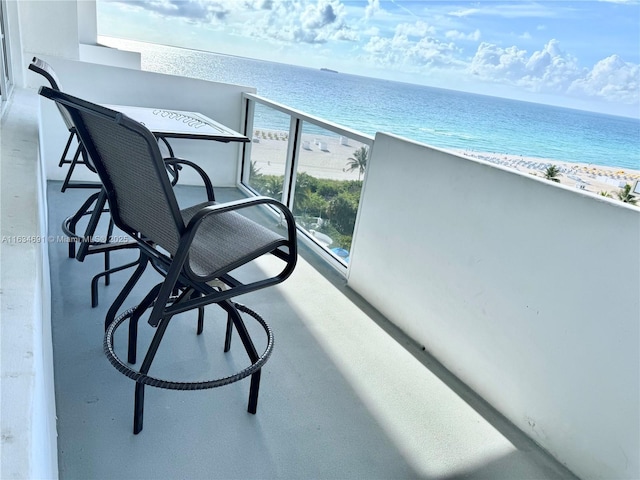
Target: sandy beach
{"type": "Point", "coordinates": [327, 157]}
{"type": "Point", "coordinates": [590, 178]}
{"type": "Point", "coordinates": [322, 156]}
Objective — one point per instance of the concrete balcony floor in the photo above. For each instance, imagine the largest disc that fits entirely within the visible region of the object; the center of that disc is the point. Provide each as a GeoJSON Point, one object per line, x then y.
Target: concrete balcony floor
{"type": "Point", "coordinates": [344, 394]}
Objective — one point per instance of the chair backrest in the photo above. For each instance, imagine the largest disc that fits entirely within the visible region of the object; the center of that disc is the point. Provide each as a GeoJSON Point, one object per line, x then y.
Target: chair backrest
{"type": "Point", "coordinates": [43, 68]}
{"type": "Point", "coordinates": [128, 160]}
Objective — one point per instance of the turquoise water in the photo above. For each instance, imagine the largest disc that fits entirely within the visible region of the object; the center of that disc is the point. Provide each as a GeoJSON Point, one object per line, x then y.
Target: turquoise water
{"type": "Point", "coordinates": [438, 117]}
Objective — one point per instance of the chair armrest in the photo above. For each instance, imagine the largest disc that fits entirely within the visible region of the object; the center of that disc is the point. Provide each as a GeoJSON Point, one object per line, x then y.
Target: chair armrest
{"type": "Point", "coordinates": [178, 162]}
{"type": "Point", "coordinates": [290, 238]}
{"type": "Point", "coordinates": [239, 205]}
{"type": "Point", "coordinates": [178, 265]}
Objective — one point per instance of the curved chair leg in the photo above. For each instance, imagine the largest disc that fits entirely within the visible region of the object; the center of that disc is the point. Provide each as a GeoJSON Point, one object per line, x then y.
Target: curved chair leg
{"type": "Point", "coordinates": [133, 322]}
{"type": "Point", "coordinates": [96, 278]}
{"type": "Point", "coordinates": [72, 167]}
{"type": "Point", "coordinates": [143, 261]}
{"type": "Point", "coordinates": [200, 320]}
{"type": "Point", "coordinates": [200, 328]}
{"type": "Point", "coordinates": [251, 351]}
{"type": "Point", "coordinates": [107, 257]}
{"type": "Point", "coordinates": [229, 332]}
{"type": "Point", "coordinates": [138, 405]}
{"type": "Point", "coordinates": [70, 223]}
{"type": "Point", "coordinates": [94, 219]}
{"type": "Point", "coordinates": [138, 408]}
{"type": "Point", "coordinates": [63, 158]}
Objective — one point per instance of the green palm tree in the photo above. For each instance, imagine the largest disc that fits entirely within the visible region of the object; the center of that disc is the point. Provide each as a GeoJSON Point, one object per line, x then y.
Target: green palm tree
{"type": "Point", "coordinates": [626, 196]}
{"type": "Point", "coordinates": [604, 193]}
{"type": "Point", "coordinates": [358, 161]}
{"type": "Point", "coordinates": [552, 173]}
{"type": "Point", "coordinates": [254, 170]}
{"type": "Point", "coordinates": [272, 187]}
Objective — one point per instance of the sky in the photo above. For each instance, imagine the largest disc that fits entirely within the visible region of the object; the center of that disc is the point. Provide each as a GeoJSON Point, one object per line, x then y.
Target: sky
{"type": "Point", "coordinates": [583, 54]}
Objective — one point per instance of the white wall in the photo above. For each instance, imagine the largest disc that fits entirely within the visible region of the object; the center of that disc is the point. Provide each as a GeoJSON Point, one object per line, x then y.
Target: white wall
{"type": "Point", "coordinates": [44, 452]}
{"type": "Point", "coordinates": [29, 448]}
{"type": "Point", "coordinates": [110, 56]}
{"type": "Point", "coordinates": [49, 28]}
{"type": "Point", "coordinates": [112, 85]}
{"type": "Point", "coordinates": [527, 291]}
{"type": "Point", "coordinates": [13, 39]}
{"type": "Point", "coordinates": [87, 22]}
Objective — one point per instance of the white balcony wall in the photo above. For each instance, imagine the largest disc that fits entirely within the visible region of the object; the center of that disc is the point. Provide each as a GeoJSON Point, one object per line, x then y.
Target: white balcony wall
{"type": "Point", "coordinates": [49, 28]}
{"type": "Point", "coordinates": [110, 56]}
{"type": "Point", "coordinates": [527, 291]}
{"type": "Point", "coordinates": [87, 22]}
{"type": "Point", "coordinates": [114, 85]}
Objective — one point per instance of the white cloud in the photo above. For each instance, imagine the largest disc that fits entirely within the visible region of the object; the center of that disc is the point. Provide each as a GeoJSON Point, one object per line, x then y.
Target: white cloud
{"type": "Point", "coordinates": [510, 10]}
{"type": "Point", "coordinates": [190, 10]}
{"type": "Point", "coordinates": [495, 63]}
{"type": "Point", "coordinates": [551, 70]}
{"type": "Point", "coordinates": [373, 7]}
{"type": "Point", "coordinates": [308, 21]}
{"type": "Point", "coordinates": [611, 79]}
{"type": "Point", "coordinates": [416, 29]}
{"type": "Point", "coordinates": [456, 35]}
{"type": "Point", "coordinates": [407, 51]}
{"type": "Point", "coordinates": [547, 70]}
{"type": "Point", "coordinates": [467, 12]}
{"type": "Point", "coordinates": [302, 21]}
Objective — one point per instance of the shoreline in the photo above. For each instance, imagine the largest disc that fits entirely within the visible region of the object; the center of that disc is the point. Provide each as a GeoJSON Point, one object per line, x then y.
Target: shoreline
{"type": "Point", "coordinates": [325, 156]}
{"type": "Point", "coordinates": [583, 176]}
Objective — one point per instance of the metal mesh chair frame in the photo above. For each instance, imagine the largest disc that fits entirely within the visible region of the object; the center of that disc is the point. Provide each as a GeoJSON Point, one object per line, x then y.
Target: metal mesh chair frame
{"type": "Point", "coordinates": [41, 67]}
{"type": "Point", "coordinates": [97, 200]}
{"type": "Point", "coordinates": [194, 289]}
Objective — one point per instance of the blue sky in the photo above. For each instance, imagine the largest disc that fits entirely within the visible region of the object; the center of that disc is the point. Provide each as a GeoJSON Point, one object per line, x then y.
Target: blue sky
{"type": "Point", "coordinates": [582, 54]}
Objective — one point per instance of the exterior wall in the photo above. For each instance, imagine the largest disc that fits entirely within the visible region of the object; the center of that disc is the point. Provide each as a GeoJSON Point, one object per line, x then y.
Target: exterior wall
{"type": "Point", "coordinates": [29, 448]}
{"type": "Point", "coordinates": [112, 85]}
{"type": "Point", "coordinates": [87, 22]}
{"type": "Point", "coordinates": [49, 28]}
{"type": "Point", "coordinates": [525, 290]}
{"type": "Point", "coordinates": [110, 56]}
{"type": "Point", "coordinates": [13, 39]}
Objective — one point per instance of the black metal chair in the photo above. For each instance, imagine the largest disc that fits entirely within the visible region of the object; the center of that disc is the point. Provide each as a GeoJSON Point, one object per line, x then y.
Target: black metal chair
{"type": "Point", "coordinates": [41, 67]}
{"type": "Point", "coordinates": [196, 250]}
{"type": "Point", "coordinates": [94, 205]}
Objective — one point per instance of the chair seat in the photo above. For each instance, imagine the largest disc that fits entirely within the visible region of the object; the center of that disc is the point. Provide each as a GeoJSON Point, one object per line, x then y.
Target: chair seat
{"type": "Point", "coordinates": [226, 240]}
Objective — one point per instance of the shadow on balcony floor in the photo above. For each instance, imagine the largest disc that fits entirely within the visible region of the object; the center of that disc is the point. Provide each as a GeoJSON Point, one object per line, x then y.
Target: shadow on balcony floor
{"type": "Point", "coordinates": [343, 396]}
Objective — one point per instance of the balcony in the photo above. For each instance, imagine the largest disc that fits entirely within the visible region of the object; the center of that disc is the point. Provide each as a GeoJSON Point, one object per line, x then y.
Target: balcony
{"type": "Point", "coordinates": [470, 335]}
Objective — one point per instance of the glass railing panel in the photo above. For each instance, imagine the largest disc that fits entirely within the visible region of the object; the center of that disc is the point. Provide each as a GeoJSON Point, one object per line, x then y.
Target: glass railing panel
{"type": "Point", "coordinates": [329, 174]}
{"type": "Point", "coordinates": [269, 144]}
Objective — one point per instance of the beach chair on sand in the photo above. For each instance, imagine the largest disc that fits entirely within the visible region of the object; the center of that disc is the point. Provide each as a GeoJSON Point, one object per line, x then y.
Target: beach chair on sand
{"type": "Point", "coordinates": [197, 251]}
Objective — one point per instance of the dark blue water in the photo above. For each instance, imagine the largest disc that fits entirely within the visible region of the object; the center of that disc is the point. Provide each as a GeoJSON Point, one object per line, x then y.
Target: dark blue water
{"type": "Point", "coordinates": [438, 117]}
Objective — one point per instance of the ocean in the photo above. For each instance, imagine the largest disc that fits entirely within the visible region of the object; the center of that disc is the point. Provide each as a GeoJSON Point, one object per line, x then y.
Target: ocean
{"type": "Point", "coordinates": [438, 117]}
